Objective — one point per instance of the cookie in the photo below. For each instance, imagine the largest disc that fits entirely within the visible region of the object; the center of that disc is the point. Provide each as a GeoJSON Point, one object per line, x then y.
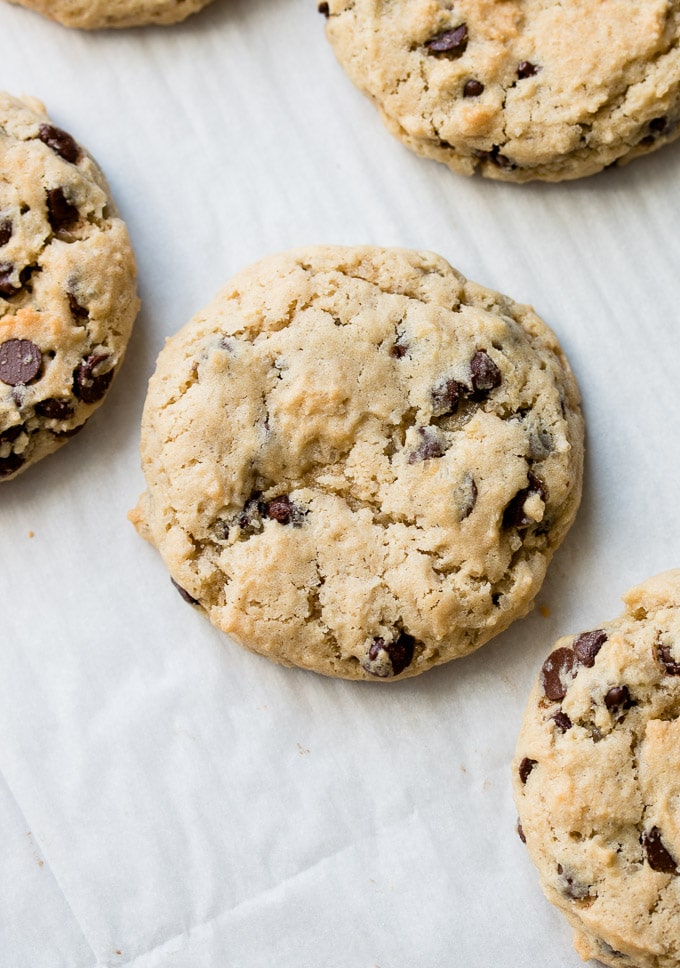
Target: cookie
{"type": "Point", "coordinates": [597, 780]}
{"type": "Point", "coordinates": [359, 463]}
{"type": "Point", "coordinates": [114, 13]}
{"type": "Point", "coordinates": [67, 286]}
{"type": "Point", "coordinates": [517, 89]}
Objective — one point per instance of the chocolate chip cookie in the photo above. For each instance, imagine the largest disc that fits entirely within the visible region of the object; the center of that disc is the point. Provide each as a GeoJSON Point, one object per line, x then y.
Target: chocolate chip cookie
{"type": "Point", "coordinates": [597, 780]}
{"type": "Point", "coordinates": [358, 462]}
{"type": "Point", "coordinates": [67, 286]}
{"type": "Point", "coordinates": [517, 89]}
{"type": "Point", "coordinates": [114, 13]}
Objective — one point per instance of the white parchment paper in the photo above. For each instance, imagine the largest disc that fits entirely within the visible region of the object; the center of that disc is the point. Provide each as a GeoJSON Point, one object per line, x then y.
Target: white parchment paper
{"type": "Point", "coordinates": [168, 800]}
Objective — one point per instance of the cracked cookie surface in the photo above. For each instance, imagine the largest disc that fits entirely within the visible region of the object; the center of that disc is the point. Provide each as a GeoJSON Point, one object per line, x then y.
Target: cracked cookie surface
{"type": "Point", "coordinates": [517, 89]}
{"type": "Point", "coordinates": [358, 462]}
{"type": "Point", "coordinates": [67, 286]}
{"type": "Point", "coordinates": [597, 782]}
{"type": "Point", "coordinates": [96, 14]}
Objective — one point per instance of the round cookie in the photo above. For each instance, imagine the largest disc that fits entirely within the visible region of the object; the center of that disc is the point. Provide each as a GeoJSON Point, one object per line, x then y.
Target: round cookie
{"type": "Point", "coordinates": [597, 780]}
{"type": "Point", "coordinates": [67, 286]}
{"type": "Point", "coordinates": [359, 463]}
{"type": "Point", "coordinates": [517, 89]}
{"type": "Point", "coordinates": [96, 14]}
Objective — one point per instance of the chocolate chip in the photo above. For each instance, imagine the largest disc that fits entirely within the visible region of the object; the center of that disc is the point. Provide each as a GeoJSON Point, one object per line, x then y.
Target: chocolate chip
{"type": "Point", "coordinates": [525, 768]}
{"type": "Point", "coordinates": [526, 69]}
{"type": "Point", "coordinates": [6, 229]}
{"type": "Point", "coordinates": [485, 374]}
{"type": "Point", "coordinates": [59, 141]}
{"type": "Point", "coordinates": [399, 347]}
{"type": "Point", "coordinates": [520, 833]}
{"type": "Point", "coordinates": [250, 518]}
{"type": "Point", "coordinates": [20, 361]}
{"type": "Point", "coordinates": [7, 287]}
{"type": "Point", "coordinates": [556, 671]}
{"type": "Point", "coordinates": [663, 654]}
{"type": "Point", "coordinates": [60, 212]}
{"type": "Point", "coordinates": [473, 88]}
{"type": "Point", "coordinates": [11, 433]}
{"type": "Point", "coordinates": [446, 397]}
{"type": "Point", "coordinates": [572, 888]}
{"type": "Point", "coordinates": [430, 446]}
{"type": "Point", "coordinates": [514, 516]}
{"type": "Point", "coordinates": [618, 697]}
{"type": "Point", "coordinates": [77, 311]}
{"type": "Point", "coordinates": [54, 409]}
{"type": "Point", "coordinates": [324, 9]}
{"type": "Point", "coordinates": [283, 510]}
{"type": "Point", "coordinates": [467, 496]}
{"type": "Point", "coordinates": [658, 856]}
{"type": "Point", "coordinates": [185, 594]}
{"type": "Point", "coordinates": [562, 721]}
{"type": "Point", "coordinates": [496, 158]}
{"type": "Point", "coordinates": [587, 645]}
{"type": "Point", "coordinates": [87, 386]}
{"type": "Point", "coordinates": [450, 42]}
{"type": "Point", "coordinates": [10, 464]}
{"type": "Point", "coordinates": [658, 125]}
{"type": "Point", "coordinates": [388, 659]}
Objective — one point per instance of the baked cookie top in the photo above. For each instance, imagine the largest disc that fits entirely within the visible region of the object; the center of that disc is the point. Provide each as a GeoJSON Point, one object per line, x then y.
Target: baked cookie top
{"type": "Point", "coordinates": [597, 780]}
{"type": "Point", "coordinates": [517, 89]}
{"type": "Point", "coordinates": [358, 462]}
{"type": "Point", "coordinates": [114, 13]}
{"type": "Point", "coordinates": [67, 286]}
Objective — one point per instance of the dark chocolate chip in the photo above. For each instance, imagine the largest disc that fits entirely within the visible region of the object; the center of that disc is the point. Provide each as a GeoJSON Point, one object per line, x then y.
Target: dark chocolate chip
{"type": "Point", "coordinates": [663, 654]}
{"type": "Point", "coordinates": [514, 516]}
{"type": "Point", "coordinates": [527, 69]}
{"type": "Point", "coordinates": [7, 287]}
{"type": "Point", "coordinates": [446, 397]}
{"type": "Point", "coordinates": [11, 433]}
{"type": "Point", "coordinates": [658, 125]}
{"type": "Point", "coordinates": [71, 432]}
{"type": "Point", "coordinates": [283, 510]}
{"type": "Point", "coordinates": [562, 721]}
{"type": "Point", "coordinates": [571, 887]}
{"type": "Point", "coordinates": [250, 519]}
{"type": "Point", "coordinates": [54, 409]}
{"type": "Point", "coordinates": [399, 347]}
{"type": "Point", "coordinates": [556, 671]}
{"type": "Point", "coordinates": [525, 768]}
{"type": "Point", "coordinates": [10, 464]}
{"type": "Point", "coordinates": [657, 854]}
{"type": "Point", "coordinates": [20, 361]}
{"type": "Point", "coordinates": [520, 832]}
{"type": "Point", "coordinates": [473, 88]}
{"type": "Point", "coordinates": [87, 386]}
{"type": "Point", "coordinates": [450, 42]}
{"type": "Point", "coordinates": [324, 9]}
{"type": "Point", "coordinates": [59, 141]}
{"type": "Point", "coordinates": [387, 659]}
{"type": "Point", "coordinates": [60, 212]}
{"type": "Point", "coordinates": [77, 311]}
{"type": "Point", "coordinates": [6, 229]}
{"type": "Point", "coordinates": [485, 375]}
{"type": "Point", "coordinates": [496, 158]}
{"type": "Point", "coordinates": [587, 645]}
{"type": "Point", "coordinates": [185, 594]}
{"type": "Point", "coordinates": [430, 446]}
{"type": "Point", "coordinates": [618, 697]}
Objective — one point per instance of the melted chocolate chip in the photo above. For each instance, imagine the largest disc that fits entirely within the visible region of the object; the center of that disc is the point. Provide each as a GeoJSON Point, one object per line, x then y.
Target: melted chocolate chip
{"type": "Point", "coordinates": [399, 347]}
{"type": "Point", "coordinates": [587, 645]}
{"type": "Point", "coordinates": [446, 397]}
{"type": "Point", "coordinates": [54, 409]}
{"type": "Point", "coordinates": [562, 721]}
{"type": "Point", "coordinates": [185, 594]}
{"type": "Point", "coordinates": [60, 142]}
{"type": "Point", "coordinates": [520, 833]}
{"type": "Point", "coordinates": [250, 519]}
{"type": "Point", "coordinates": [20, 361]}
{"type": "Point", "coordinates": [7, 287]}
{"type": "Point", "coordinates": [473, 88]}
{"type": "Point", "coordinates": [556, 670]}
{"type": "Point", "coordinates": [527, 69]}
{"type": "Point", "coordinates": [450, 42]}
{"type": "Point", "coordinates": [387, 659]}
{"type": "Point", "coordinates": [10, 464]}
{"type": "Point", "coordinates": [658, 856]}
{"type": "Point", "coordinates": [485, 375]}
{"type": "Point", "coordinates": [514, 516]}
{"type": "Point", "coordinates": [430, 446]}
{"type": "Point", "coordinates": [496, 158]}
{"type": "Point", "coordinates": [658, 125]}
{"type": "Point", "coordinates": [283, 510]}
{"type": "Point", "coordinates": [618, 697]}
{"type": "Point", "coordinates": [6, 230]}
{"type": "Point", "coordinates": [77, 311]}
{"type": "Point", "coordinates": [664, 656]}
{"type": "Point", "coordinates": [60, 212]}
{"type": "Point", "coordinates": [324, 9]}
{"type": "Point", "coordinates": [87, 386]}
{"type": "Point", "coordinates": [11, 433]}
{"type": "Point", "coordinates": [525, 768]}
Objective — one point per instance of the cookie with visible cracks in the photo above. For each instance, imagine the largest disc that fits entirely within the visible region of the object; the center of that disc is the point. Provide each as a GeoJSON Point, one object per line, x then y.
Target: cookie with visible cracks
{"type": "Point", "coordinates": [358, 462]}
